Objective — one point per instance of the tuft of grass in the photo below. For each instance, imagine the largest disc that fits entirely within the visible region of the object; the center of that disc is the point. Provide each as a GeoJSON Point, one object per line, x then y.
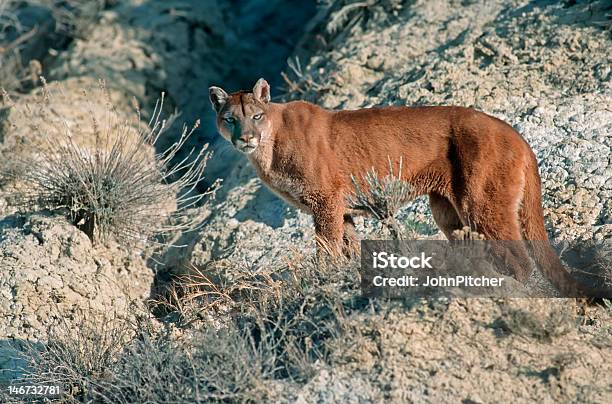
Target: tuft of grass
{"type": "Point", "coordinates": [211, 292]}
{"type": "Point", "coordinates": [79, 352]}
{"type": "Point", "coordinates": [117, 187]}
{"type": "Point", "coordinates": [382, 197]}
{"type": "Point", "coordinates": [539, 326]}
{"type": "Point", "coordinates": [302, 82]}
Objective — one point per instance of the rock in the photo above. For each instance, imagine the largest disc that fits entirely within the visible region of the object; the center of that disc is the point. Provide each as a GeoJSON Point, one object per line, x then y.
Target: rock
{"type": "Point", "coordinates": [40, 284]}
{"type": "Point", "coordinates": [564, 119]}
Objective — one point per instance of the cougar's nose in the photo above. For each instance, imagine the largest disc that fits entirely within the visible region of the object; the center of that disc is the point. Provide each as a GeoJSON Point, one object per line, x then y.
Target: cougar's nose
{"type": "Point", "coordinates": [246, 138]}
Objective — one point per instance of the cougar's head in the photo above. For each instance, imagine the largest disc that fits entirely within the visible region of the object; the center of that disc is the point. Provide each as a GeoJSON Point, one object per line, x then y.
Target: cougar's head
{"type": "Point", "coordinates": [242, 117]}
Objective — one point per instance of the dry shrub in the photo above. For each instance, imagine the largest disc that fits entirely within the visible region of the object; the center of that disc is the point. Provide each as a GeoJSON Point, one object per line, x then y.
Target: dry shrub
{"type": "Point", "coordinates": [216, 366]}
{"type": "Point", "coordinates": [382, 197]}
{"type": "Point", "coordinates": [226, 287]}
{"type": "Point", "coordinates": [79, 353]}
{"type": "Point", "coordinates": [117, 360]}
{"type": "Point", "coordinates": [291, 311]}
{"type": "Point", "coordinates": [301, 82]}
{"type": "Point", "coordinates": [209, 293]}
{"type": "Point", "coordinates": [116, 187]}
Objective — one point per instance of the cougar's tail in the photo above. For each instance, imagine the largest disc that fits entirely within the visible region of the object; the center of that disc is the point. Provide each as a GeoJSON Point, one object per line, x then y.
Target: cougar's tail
{"type": "Point", "coordinates": [532, 223]}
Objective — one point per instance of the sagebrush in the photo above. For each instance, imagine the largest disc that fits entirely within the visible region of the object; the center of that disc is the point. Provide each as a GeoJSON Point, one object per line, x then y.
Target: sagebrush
{"type": "Point", "coordinates": [110, 182]}
{"type": "Point", "coordinates": [382, 196]}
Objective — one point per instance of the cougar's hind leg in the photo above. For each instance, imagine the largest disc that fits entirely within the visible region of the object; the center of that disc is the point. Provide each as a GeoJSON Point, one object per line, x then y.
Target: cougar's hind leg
{"type": "Point", "coordinates": [444, 214]}
{"type": "Point", "coordinates": [502, 223]}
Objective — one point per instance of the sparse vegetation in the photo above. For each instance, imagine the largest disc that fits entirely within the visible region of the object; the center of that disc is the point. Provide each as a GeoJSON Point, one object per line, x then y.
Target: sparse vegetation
{"type": "Point", "coordinates": [282, 327]}
{"type": "Point", "coordinates": [118, 187]}
{"type": "Point", "coordinates": [247, 329]}
{"type": "Point", "coordinates": [382, 197]}
{"type": "Point", "coordinates": [79, 354]}
{"type": "Point", "coordinates": [277, 331]}
{"type": "Point", "coordinates": [130, 362]}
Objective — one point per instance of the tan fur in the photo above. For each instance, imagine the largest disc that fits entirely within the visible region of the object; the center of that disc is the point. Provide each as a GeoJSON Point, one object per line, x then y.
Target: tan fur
{"type": "Point", "coordinates": [476, 169]}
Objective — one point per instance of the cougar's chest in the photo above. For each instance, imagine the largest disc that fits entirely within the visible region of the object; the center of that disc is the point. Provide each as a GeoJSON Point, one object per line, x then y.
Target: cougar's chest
{"type": "Point", "coordinates": [289, 188]}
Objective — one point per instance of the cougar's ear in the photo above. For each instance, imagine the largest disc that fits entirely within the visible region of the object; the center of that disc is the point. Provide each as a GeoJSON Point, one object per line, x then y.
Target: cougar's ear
{"type": "Point", "coordinates": [261, 91]}
{"type": "Point", "coordinates": [218, 97]}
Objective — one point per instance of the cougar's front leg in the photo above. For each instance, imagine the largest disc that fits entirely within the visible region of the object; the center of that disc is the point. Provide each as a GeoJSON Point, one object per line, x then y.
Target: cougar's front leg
{"type": "Point", "coordinates": [328, 215]}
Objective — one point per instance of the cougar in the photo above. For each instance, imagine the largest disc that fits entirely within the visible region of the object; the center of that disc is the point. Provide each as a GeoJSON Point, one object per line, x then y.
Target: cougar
{"type": "Point", "coordinates": [476, 169]}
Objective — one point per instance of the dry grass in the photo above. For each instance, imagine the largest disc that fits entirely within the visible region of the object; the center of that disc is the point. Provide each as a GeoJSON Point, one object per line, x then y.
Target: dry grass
{"type": "Point", "coordinates": [294, 310]}
{"type": "Point", "coordinates": [78, 354]}
{"type": "Point", "coordinates": [116, 360]}
{"type": "Point", "coordinates": [301, 83]}
{"type": "Point", "coordinates": [211, 292]}
{"type": "Point", "coordinates": [276, 335]}
{"type": "Point", "coordinates": [267, 350]}
{"type": "Point", "coordinates": [117, 187]}
{"type": "Point", "coordinates": [540, 326]}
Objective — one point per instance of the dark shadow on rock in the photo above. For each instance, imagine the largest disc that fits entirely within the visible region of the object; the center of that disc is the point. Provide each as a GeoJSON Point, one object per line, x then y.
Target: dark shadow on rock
{"type": "Point", "coordinates": [13, 360]}
{"type": "Point", "coordinates": [11, 222]}
{"type": "Point", "coordinates": [264, 207]}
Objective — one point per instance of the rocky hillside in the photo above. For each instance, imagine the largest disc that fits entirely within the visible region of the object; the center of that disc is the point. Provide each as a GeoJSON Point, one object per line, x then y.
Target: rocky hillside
{"type": "Point", "coordinates": [139, 48]}
{"type": "Point", "coordinates": [544, 67]}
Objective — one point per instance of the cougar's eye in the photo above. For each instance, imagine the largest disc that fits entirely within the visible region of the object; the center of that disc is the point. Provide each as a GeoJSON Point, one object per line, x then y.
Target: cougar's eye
{"type": "Point", "coordinates": [257, 117]}
{"type": "Point", "coordinates": [229, 120]}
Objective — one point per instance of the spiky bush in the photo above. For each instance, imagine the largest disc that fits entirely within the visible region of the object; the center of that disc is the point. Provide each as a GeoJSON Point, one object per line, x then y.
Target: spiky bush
{"type": "Point", "coordinates": [79, 353]}
{"type": "Point", "coordinates": [118, 187]}
{"type": "Point", "coordinates": [382, 197]}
